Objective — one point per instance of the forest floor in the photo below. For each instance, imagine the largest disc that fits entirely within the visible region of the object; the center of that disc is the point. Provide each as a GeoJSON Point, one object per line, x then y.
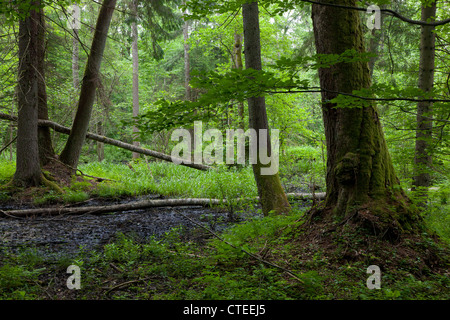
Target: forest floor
{"type": "Point", "coordinates": [203, 253]}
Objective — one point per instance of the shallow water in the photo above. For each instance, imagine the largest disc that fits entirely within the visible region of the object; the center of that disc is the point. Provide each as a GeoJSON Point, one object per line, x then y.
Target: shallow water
{"type": "Point", "coordinates": [66, 234]}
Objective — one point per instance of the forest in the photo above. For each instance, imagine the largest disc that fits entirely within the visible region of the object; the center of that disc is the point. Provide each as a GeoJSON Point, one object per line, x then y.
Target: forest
{"type": "Point", "coordinates": [224, 150]}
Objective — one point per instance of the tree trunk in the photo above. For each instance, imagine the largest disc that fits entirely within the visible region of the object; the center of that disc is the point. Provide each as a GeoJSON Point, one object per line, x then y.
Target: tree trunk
{"type": "Point", "coordinates": [28, 171]}
{"type": "Point", "coordinates": [270, 191]}
{"type": "Point", "coordinates": [423, 159]}
{"type": "Point", "coordinates": [187, 65]}
{"type": "Point", "coordinates": [75, 60]}
{"type": "Point", "coordinates": [45, 143]}
{"type": "Point", "coordinates": [72, 150]}
{"type": "Point", "coordinates": [100, 145]}
{"type": "Point", "coordinates": [75, 46]}
{"type": "Point", "coordinates": [374, 44]}
{"type": "Point", "coordinates": [237, 51]}
{"type": "Point", "coordinates": [360, 174]}
{"type": "Point", "coordinates": [135, 56]}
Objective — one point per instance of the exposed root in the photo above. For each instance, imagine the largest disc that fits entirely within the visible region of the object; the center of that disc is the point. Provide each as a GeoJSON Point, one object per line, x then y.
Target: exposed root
{"type": "Point", "coordinates": [50, 184]}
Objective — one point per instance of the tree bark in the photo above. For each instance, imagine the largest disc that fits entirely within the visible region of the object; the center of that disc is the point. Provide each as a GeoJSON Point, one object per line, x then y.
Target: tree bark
{"type": "Point", "coordinates": [46, 151]}
{"type": "Point", "coordinates": [270, 191]}
{"type": "Point", "coordinates": [135, 57]}
{"type": "Point", "coordinates": [72, 150]}
{"type": "Point", "coordinates": [28, 171]}
{"type": "Point", "coordinates": [360, 173]}
{"type": "Point", "coordinates": [424, 131]}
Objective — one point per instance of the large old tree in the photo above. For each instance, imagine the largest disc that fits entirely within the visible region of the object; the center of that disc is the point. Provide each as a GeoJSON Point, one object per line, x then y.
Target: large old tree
{"type": "Point", "coordinates": [360, 179]}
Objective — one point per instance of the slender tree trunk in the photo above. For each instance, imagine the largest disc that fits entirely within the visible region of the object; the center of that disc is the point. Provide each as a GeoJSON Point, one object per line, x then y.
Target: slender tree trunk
{"type": "Point", "coordinates": [374, 44]}
{"type": "Point", "coordinates": [135, 56]}
{"type": "Point", "coordinates": [75, 60]}
{"type": "Point", "coordinates": [187, 65]}
{"type": "Point", "coordinates": [46, 151]}
{"type": "Point", "coordinates": [271, 193]}
{"type": "Point", "coordinates": [423, 158]}
{"type": "Point", "coordinates": [188, 94]}
{"type": "Point", "coordinates": [100, 145]}
{"type": "Point", "coordinates": [28, 171]}
{"type": "Point", "coordinates": [360, 176]}
{"type": "Point", "coordinates": [72, 150]}
{"type": "Point", "coordinates": [237, 51]}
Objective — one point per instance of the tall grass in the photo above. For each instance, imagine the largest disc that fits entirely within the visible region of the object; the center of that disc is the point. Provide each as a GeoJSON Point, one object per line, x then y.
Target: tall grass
{"type": "Point", "coordinates": [7, 169]}
{"type": "Point", "coordinates": [171, 180]}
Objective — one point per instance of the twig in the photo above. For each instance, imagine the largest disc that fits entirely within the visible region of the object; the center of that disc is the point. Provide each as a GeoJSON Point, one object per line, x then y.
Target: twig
{"type": "Point", "coordinates": [11, 216]}
{"type": "Point", "coordinates": [124, 284]}
{"type": "Point", "coordinates": [8, 144]}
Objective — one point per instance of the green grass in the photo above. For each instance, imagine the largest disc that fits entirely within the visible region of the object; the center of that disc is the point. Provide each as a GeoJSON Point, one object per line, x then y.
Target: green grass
{"type": "Point", "coordinates": [171, 180]}
{"type": "Point", "coordinates": [7, 169]}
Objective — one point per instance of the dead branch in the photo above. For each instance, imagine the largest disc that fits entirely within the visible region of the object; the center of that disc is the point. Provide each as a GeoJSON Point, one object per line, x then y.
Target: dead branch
{"type": "Point", "coordinates": [61, 129]}
{"type": "Point", "coordinates": [137, 205]}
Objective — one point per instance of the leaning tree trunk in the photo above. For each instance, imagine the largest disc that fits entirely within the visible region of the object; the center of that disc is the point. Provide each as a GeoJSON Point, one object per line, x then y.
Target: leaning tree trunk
{"type": "Point", "coordinates": [46, 151]}
{"type": "Point", "coordinates": [423, 159]}
{"type": "Point", "coordinates": [28, 171]}
{"type": "Point", "coordinates": [72, 150]}
{"type": "Point", "coordinates": [270, 191]}
{"type": "Point", "coordinates": [360, 176]}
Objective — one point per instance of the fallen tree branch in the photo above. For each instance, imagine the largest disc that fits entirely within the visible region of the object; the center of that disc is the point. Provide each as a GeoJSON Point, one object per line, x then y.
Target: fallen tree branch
{"type": "Point", "coordinates": [8, 144]}
{"type": "Point", "coordinates": [143, 204]}
{"type": "Point", "coordinates": [113, 208]}
{"type": "Point", "coordinates": [61, 129]}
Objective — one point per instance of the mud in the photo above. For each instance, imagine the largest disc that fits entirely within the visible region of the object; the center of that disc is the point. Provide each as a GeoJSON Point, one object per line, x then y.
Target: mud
{"type": "Point", "coordinates": [66, 234]}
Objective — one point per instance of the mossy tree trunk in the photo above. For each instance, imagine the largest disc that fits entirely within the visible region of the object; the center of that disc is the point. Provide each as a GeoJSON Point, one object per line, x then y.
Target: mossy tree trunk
{"type": "Point", "coordinates": [270, 190]}
{"type": "Point", "coordinates": [360, 174]}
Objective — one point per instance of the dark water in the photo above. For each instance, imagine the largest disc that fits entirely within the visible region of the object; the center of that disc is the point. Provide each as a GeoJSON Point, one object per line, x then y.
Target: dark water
{"type": "Point", "coordinates": [65, 234]}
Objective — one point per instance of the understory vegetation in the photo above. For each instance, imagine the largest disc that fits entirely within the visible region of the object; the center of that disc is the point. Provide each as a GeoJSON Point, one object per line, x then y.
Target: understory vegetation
{"type": "Point", "coordinates": [358, 123]}
{"type": "Point", "coordinates": [200, 263]}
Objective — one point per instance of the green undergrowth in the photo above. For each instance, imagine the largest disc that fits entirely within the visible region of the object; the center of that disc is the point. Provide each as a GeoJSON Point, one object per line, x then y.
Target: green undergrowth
{"type": "Point", "coordinates": [159, 178]}
{"type": "Point", "coordinates": [171, 180]}
{"type": "Point", "coordinates": [177, 266]}
{"type": "Point", "coordinates": [171, 268]}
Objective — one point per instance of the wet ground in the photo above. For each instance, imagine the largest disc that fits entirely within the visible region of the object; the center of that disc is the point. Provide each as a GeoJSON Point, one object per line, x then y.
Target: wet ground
{"type": "Point", "coordinates": [65, 234]}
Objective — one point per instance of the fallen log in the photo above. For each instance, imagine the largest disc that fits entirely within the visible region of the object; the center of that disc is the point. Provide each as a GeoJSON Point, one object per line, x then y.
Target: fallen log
{"type": "Point", "coordinates": [143, 204]}
{"type": "Point", "coordinates": [61, 129]}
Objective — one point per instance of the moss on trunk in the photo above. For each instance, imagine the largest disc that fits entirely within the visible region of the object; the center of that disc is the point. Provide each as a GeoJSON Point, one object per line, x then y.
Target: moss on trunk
{"type": "Point", "coordinates": [361, 180]}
